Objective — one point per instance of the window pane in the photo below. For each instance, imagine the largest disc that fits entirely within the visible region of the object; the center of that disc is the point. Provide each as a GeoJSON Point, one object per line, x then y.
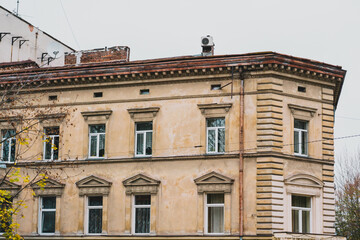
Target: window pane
{"type": "Point", "coordinates": [48, 145]}
{"type": "Point", "coordinates": [8, 133]}
{"type": "Point", "coordinates": [102, 145]}
{"type": "Point", "coordinates": [97, 128]}
{"type": "Point", "coordinates": [95, 201]}
{"type": "Point", "coordinates": [142, 200]}
{"type": "Point", "coordinates": [295, 220]}
{"type": "Point", "coordinates": [140, 143]}
{"type": "Point", "coordinates": [211, 141]}
{"type": "Point", "coordinates": [142, 220]}
{"type": "Point", "coordinates": [296, 142]}
{"type": "Point", "coordinates": [13, 144]}
{"type": "Point", "coordinates": [215, 122]}
{"type": "Point", "coordinates": [215, 198]}
{"type": "Point", "coordinates": [300, 124]}
{"type": "Point", "coordinates": [49, 202]}
{"type": "Point", "coordinates": [52, 131]}
{"type": "Point", "coordinates": [305, 221]}
{"type": "Point", "coordinates": [216, 219]}
{"type": "Point", "coordinates": [143, 126]}
{"type": "Point", "coordinates": [93, 146]}
{"type": "Point", "coordinates": [221, 140]}
{"type": "Point", "coordinates": [299, 201]}
{"type": "Point", "coordinates": [304, 143]}
{"type": "Point", "coordinates": [56, 148]}
{"type": "Point", "coordinates": [148, 143]}
{"type": "Point", "coordinates": [95, 221]}
{"type": "Point", "coordinates": [5, 151]}
{"type": "Point", "coordinates": [48, 222]}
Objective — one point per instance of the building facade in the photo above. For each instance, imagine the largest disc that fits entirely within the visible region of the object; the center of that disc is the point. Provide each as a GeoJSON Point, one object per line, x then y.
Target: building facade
{"type": "Point", "coordinates": [215, 147]}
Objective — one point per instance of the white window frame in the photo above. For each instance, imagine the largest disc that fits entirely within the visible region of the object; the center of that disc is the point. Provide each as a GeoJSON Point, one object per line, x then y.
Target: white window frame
{"type": "Point", "coordinates": [134, 207]}
{"type": "Point", "coordinates": [206, 213]}
{"type": "Point", "coordinates": [216, 137]}
{"type": "Point", "coordinates": [87, 210]}
{"type": "Point", "coordinates": [10, 140]}
{"type": "Point", "coordinates": [41, 210]}
{"type": "Point", "coordinates": [301, 209]}
{"type": "Point", "coordinates": [52, 137]}
{"type": "Point", "coordinates": [300, 133]}
{"type": "Point", "coordinates": [97, 141]}
{"type": "Point", "coordinates": [144, 141]}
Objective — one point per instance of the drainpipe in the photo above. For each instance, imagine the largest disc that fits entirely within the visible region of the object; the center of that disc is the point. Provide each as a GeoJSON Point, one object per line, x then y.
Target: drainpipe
{"type": "Point", "coordinates": [241, 160]}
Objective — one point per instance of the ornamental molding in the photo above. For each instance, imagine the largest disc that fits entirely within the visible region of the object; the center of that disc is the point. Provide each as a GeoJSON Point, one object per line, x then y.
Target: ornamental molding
{"type": "Point", "coordinates": [48, 187]}
{"type": "Point", "coordinates": [141, 184]}
{"type": "Point", "coordinates": [93, 185]}
{"type": "Point", "coordinates": [302, 112]}
{"type": "Point", "coordinates": [11, 187]}
{"type": "Point", "coordinates": [96, 114]}
{"type": "Point", "coordinates": [304, 180]}
{"type": "Point", "coordinates": [214, 182]}
{"type": "Point", "coordinates": [214, 108]}
{"type": "Point", "coordinates": [143, 114]}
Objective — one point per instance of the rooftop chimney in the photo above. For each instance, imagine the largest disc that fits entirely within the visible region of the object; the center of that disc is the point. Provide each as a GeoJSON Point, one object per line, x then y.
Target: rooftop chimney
{"type": "Point", "coordinates": [207, 44]}
{"type": "Point", "coordinates": [111, 54]}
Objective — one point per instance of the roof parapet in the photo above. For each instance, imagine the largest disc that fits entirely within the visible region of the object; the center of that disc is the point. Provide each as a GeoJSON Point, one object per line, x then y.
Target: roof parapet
{"type": "Point", "coordinates": [112, 54]}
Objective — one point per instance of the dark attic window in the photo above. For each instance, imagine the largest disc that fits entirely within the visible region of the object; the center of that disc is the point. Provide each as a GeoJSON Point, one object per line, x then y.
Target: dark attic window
{"type": "Point", "coordinates": [301, 89]}
{"type": "Point", "coordinates": [144, 91]}
{"type": "Point", "coordinates": [52, 97]}
{"type": "Point", "coordinates": [215, 86]}
{"type": "Point", "coordinates": [98, 94]}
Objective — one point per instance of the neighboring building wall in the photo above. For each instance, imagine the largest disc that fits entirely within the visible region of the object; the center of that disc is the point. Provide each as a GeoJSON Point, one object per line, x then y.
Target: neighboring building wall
{"type": "Point", "coordinates": [34, 42]}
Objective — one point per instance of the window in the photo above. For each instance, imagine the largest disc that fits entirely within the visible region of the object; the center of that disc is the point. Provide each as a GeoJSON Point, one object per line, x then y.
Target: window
{"type": "Point", "coordinates": [143, 139]}
{"type": "Point", "coordinates": [8, 145]}
{"type": "Point", "coordinates": [141, 214]}
{"type": "Point", "coordinates": [47, 215]}
{"type": "Point", "coordinates": [216, 87]}
{"type": "Point", "coordinates": [301, 89]}
{"type": "Point", "coordinates": [94, 215]}
{"type": "Point", "coordinates": [301, 211]}
{"type": "Point", "coordinates": [98, 94]}
{"type": "Point", "coordinates": [51, 143]}
{"type": "Point", "coordinates": [300, 137]}
{"type": "Point", "coordinates": [52, 97]}
{"type": "Point", "coordinates": [97, 141]}
{"type": "Point", "coordinates": [214, 213]}
{"type": "Point", "coordinates": [144, 91]}
{"type": "Point", "coordinates": [215, 135]}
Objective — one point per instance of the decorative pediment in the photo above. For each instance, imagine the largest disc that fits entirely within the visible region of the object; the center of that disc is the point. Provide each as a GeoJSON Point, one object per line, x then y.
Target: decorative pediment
{"type": "Point", "coordinates": [304, 180]}
{"type": "Point", "coordinates": [302, 112]}
{"type": "Point", "coordinates": [141, 184]}
{"type": "Point", "coordinates": [13, 188]}
{"type": "Point", "coordinates": [48, 187]}
{"type": "Point", "coordinates": [97, 115]}
{"type": "Point", "coordinates": [143, 114]}
{"type": "Point", "coordinates": [93, 185]}
{"type": "Point", "coordinates": [214, 182]}
{"type": "Point", "coordinates": [214, 109]}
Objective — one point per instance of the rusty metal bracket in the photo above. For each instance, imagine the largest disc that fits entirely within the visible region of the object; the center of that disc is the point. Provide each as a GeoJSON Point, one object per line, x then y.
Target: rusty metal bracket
{"type": "Point", "coordinates": [21, 42]}
{"type": "Point", "coordinates": [3, 34]}
{"type": "Point", "coordinates": [14, 39]}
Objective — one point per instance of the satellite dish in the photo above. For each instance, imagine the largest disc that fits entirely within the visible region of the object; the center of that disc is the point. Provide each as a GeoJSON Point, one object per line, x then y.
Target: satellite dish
{"type": "Point", "coordinates": [55, 50]}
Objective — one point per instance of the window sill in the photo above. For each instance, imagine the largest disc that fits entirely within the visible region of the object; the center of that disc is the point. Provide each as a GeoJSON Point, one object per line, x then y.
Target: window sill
{"type": "Point", "coordinates": [143, 156]}
{"type": "Point", "coordinates": [95, 158]}
{"type": "Point", "coordinates": [301, 155]}
{"type": "Point", "coordinates": [215, 153]}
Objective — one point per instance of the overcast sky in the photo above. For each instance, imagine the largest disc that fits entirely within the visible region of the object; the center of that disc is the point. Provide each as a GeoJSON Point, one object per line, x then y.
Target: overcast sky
{"type": "Point", "coordinates": [323, 30]}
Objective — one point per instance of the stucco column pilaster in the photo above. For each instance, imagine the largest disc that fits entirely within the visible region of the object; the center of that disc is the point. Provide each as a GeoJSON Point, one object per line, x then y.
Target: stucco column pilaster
{"type": "Point", "coordinates": [200, 210]}
{"type": "Point", "coordinates": [227, 213]}
{"type": "Point", "coordinates": [57, 215]}
{"type": "Point", "coordinates": [35, 219]}
{"type": "Point", "coordinates": [81, 214]}
{"type": "Point", "coordinates": [153, 216]}
{"type": "Point", "coordinates": [127, 214]}
{"type": "Point", "coordinates": [105, 215]}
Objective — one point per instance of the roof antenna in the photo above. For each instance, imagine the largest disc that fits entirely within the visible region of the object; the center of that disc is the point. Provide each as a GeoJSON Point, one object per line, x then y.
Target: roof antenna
{"type": "Point", "coordinates": [17, 8]}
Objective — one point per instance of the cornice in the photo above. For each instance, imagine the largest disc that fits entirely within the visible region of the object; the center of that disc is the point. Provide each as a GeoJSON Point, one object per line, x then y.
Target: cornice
{"type": "Point", "coordinates": [126, 160]}
{"type": "Point", "coordinates": [289, 157]}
